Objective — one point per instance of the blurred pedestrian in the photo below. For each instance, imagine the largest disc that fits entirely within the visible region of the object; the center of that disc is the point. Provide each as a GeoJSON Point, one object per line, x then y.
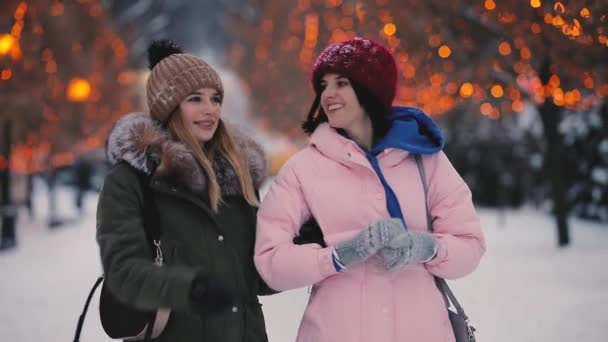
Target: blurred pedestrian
{"type": "Point", "coordinates": [83, 170]}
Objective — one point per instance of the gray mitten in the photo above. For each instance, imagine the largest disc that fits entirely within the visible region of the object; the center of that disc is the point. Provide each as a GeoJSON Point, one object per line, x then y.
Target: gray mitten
{"type": "Point", "coordinates": [412, 247]}
{"type": "Point", "coordinates": [369, 241]}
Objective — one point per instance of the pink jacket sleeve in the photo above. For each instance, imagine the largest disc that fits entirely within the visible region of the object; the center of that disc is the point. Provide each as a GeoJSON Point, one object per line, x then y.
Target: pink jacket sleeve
{"type": "Point", "coordinates": [461, 243]}
{"type": "Point", "coordinates": [282, 264]}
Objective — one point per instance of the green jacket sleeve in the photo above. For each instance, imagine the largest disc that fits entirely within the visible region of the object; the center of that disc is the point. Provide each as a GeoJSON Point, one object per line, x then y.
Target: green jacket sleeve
{"type": "Point", "coordinates": [128, 262]}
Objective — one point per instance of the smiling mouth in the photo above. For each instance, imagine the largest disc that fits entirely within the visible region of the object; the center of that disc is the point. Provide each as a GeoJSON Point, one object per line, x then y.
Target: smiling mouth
{"type": "Point", "coordinates": [205, 124]}
{"type": "Point", "coordinates": [334, 107]}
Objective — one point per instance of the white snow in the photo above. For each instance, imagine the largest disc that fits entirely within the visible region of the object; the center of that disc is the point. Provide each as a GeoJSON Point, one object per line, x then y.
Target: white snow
{"type": "Point", "coordinates": [525, 289]}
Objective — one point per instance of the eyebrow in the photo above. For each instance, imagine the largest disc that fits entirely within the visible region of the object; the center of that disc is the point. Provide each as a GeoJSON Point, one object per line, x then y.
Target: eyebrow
{"type": "Point", "coordinates": [215, 93]}
{"type": "Point", "coordinates": [337, 78]}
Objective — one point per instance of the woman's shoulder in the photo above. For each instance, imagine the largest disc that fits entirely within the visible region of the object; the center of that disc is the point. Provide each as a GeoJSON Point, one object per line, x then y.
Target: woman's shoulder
{"type": "Point", "coordinates": [302, 159]}
{"type": "Point", "coordinates": [122, 175]}
{"type": "Point", "coordinates": [300, 164]}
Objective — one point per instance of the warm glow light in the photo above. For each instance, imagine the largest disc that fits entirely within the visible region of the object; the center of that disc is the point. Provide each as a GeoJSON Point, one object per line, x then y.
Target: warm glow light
{"type": "Point", "coordinates": [435, 40]}
{"type": "Point", "coordinates": [536, 28]}
{"type": "Point", "coordinates": [525, 53]}
{"type": "Point", "coordinates": [490, 5]}
{"type": "Point", "coordinates": [6, 74]}
{"type": "Point", "coordinates": [558, 21]}
{"type": "Point", "coordinates": [486, 109]}
{"type": "Point", "coordinates": [51, 67]}
{"type": "Point", "coordinates": [514, 94]}
{"type": "Point", "coordinates": [56, 9]}
{"type": "Point", "coordinates": [585, 13]}
{"type": "Point", "coordinates": [497, 91]}
{"type": "Point", "coordinates": [78, 90]}
{"type": "Point", "coordinates": [7, 42]}
{"type": "Point", "coordinates": [504, 48]}
{"type": "Point", "coordinates": [559, 7]}
{"type": "Point", "coordinates": [588, 82]}
{"type": "Point", "coordinates": [517, 106]}
{"type": "Point", "coordinates": [390, 29]}
{"type": "Point", "coordinates": [558, 97]}
{"type": "Point", "coordinates": [535, 3]}
{"type": "Point", "coordinates": [409, 71]}
{"type": "Point", "coordinates": [333, 3]}
{"type": "Point", "coordinates": [444, 51]}
{"type": "Point", "coordinates": [554, 81]}
{"type": "Point", "coordinates": [466, 90]}
{"type": "Point", "coordinates": [572, 97]}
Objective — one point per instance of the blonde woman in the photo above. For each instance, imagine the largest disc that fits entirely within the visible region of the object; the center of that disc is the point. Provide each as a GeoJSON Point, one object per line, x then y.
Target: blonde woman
{"type": "Point", "coordinates": [203, 178]}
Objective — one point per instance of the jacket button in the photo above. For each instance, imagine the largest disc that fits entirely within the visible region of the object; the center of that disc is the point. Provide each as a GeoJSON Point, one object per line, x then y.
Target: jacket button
{"type": "Point", "coordinates": [220, 238]}
{"type": "Point", "coordinates": [235, 309]}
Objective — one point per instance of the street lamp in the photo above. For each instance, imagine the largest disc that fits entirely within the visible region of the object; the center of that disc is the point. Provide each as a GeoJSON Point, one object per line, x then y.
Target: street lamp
{"type": "Point", "coordinates": [7, 41]}
{"type": "Point", "coordinates": [78, 90]}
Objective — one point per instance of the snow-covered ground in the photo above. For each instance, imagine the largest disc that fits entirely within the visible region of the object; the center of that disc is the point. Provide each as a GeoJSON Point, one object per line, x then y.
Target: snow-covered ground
{"type": "Point", "coordinates": [525, 289]}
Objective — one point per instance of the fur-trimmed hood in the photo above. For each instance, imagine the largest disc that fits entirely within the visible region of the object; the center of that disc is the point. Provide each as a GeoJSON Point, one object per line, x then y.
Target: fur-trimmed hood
{"type": "Point", "coordinates": [139, 141]}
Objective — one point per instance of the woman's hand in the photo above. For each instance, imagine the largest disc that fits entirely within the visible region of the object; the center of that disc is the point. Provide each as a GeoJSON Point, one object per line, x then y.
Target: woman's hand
{"type": "Point", "coordinates": [409, 248]}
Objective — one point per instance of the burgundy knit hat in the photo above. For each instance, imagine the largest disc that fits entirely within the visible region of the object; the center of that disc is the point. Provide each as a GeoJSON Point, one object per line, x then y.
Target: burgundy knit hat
{"type": "Point", "coordinates": [364, 61]}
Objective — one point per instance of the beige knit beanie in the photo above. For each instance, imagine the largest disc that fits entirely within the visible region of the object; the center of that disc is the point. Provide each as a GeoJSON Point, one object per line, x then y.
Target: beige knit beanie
{"type": "Point", "coordinates": [175, 75]}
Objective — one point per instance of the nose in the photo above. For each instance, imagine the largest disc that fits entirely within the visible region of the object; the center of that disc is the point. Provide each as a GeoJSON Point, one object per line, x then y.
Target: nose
{"type": "Point", "coordinates": [328, 93]}
{"type": "Point", "coordinates": [207, 106]}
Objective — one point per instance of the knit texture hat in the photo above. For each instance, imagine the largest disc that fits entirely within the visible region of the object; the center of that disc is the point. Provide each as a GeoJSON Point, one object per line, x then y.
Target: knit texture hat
{"type": "Point", "coordinates": [175, 75]}
{"type": "Point", "coordinates": [364, 61]}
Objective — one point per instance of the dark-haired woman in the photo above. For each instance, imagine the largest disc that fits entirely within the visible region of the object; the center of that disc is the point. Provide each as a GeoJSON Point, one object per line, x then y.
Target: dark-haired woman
{"type": "Point", "coordinates": [373, 272]}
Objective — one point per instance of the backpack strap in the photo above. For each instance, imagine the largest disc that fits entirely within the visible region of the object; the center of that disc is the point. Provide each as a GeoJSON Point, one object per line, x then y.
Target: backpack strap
{"type": "Point", "coordinates": [153, 233]}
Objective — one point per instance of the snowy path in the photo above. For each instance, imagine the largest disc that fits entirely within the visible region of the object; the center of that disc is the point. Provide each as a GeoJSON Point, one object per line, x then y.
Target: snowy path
{"type": "Point", "coordinates": [525, 288]}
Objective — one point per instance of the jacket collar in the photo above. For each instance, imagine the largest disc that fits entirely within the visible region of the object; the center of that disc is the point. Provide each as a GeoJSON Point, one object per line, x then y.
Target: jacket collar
{"type": "Point", "coordinates": [412, 131]}
{"type": "Point", "coordinates": [139, 141]}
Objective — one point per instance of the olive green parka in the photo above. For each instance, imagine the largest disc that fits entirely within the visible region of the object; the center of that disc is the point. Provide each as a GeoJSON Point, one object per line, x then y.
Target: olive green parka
{"type": "Point", "coordinates": [195, 239]}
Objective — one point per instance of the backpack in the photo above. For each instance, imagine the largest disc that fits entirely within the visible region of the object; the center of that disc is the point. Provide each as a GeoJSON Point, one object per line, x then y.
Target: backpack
{"type": "Point", "coordinates": [119, 320]}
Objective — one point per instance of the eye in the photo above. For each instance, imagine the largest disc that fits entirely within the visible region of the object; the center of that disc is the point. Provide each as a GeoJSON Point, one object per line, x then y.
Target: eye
{"type": "Point", "coordinates": [194, 99]}
{"type": "Point", "coordinates": [343, 83]}
{"type": "Point", "coordinates": [216, 99]}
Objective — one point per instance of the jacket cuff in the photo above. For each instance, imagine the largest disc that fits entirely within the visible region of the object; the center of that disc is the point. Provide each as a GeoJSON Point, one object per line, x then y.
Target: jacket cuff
{"type": "Point", "coordinates": [325, 260]}
{"type": "Point", "coordinates": [440, 255]}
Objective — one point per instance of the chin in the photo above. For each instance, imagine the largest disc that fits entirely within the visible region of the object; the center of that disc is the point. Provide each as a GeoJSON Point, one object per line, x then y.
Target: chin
{"type": "Point", "coordinates": [205, 137]}
{"type": "Point", "coordinates": [335, 124]}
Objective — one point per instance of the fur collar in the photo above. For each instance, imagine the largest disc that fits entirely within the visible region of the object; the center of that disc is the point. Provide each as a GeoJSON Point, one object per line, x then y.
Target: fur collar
{"type": "Point", "coordinates": [143, 144]}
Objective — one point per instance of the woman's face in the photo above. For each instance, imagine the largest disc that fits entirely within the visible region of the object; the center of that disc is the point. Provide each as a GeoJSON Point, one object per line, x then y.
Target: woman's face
{"type": "Point", "coordinates": [201, 113]}
{"type": "Point", "coordinates": [340, 102]}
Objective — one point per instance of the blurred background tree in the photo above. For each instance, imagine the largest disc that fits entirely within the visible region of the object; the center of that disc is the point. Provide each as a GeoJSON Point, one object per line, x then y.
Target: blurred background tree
{"type": "Point", "coordinates": [506, 79]}
{"type": "Point", "coordinates": [64, 80]}
{"type": "Point", "coordinates": [518, 87]}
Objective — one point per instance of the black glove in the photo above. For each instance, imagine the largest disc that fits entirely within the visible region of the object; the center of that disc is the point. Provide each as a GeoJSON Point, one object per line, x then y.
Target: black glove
{"type": "Point", "coordinates": [211, 294]}
{"type": "Point", "coordinates": [310, 232]}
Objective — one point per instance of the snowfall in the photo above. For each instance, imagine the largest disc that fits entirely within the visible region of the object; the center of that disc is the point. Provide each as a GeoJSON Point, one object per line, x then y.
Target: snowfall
{"type": "Point", "coordinates": [525, 289]}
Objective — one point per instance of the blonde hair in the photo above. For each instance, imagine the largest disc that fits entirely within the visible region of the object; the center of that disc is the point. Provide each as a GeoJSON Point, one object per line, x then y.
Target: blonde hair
{"type": "Point", "coordinates": [222, 143]}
